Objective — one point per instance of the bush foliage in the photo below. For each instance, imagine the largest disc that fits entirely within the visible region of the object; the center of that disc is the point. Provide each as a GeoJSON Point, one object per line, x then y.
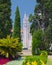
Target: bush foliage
{"type": "Point", "coordinates": [9, 46]}
{"type": "Point", "coordinates": [44, 56]}
{"type": "Point", "coordinates": [36, 41]}
{"type": "Point", "coordinates": [36, 60]}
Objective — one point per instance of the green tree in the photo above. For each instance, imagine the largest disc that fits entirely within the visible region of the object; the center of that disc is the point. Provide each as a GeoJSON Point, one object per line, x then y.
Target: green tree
{"type": "Point", "coordinates": [48, 35]}
{"type": "Point", "coordinates": [42, 19]}
{"type": "Point", "coordinates": [17, 25]}
{"type": "Point", "coordinates": [37, 41]}
{"type": "Point", "coordinates": [5, 21]}
{"type": "Point", "coordinates": [42, 14]}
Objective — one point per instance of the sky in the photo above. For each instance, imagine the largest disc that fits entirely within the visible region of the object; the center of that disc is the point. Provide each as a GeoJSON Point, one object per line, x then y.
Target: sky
{"type": "Point", "coordinates": [25, 6]}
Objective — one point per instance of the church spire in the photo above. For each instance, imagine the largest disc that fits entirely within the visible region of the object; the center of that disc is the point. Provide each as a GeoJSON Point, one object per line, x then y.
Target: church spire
{"type": "Point", "coordinates": [25, 16]}
{"type": "Point", "coordinates": [25, 19]}
{"type": "Point", "coordinates": [26, 37]}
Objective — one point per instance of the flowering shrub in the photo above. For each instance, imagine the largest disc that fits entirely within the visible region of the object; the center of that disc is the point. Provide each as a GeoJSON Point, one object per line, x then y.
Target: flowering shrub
{"type": "Point", "coordinates": [33, 60]}
{"type": "Point", "coordinates": [36, 60]}
{"type": "Point", "coordinates": [32, 63]}
{"type": "Point", "coordinates": [35, 63]}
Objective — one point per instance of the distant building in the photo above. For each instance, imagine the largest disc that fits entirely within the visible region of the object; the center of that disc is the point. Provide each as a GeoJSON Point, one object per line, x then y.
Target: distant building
{"type": "Point", "coordinates": [25, 32]}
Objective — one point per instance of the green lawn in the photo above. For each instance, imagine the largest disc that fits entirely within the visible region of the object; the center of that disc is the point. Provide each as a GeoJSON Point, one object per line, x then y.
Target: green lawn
{"type": "Point", "coordinates": [49, 62]}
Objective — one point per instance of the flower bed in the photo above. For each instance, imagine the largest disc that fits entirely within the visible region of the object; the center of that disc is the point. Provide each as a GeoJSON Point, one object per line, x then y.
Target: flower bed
{"type": "Point", "coordinates": [31, 60]}
{"type": "Point", "coordinates": [4, 60]}
{"type": "Point", "coordinates": [36, 60]}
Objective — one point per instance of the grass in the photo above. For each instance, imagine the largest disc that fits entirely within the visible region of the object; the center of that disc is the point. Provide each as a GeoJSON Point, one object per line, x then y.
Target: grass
{"type": "Point", "coordinates": [49, 62]}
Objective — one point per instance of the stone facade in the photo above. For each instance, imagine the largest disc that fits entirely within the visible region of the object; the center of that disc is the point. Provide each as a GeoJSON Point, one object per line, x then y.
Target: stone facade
{"type": "Point", "coordinates": [25, 32]}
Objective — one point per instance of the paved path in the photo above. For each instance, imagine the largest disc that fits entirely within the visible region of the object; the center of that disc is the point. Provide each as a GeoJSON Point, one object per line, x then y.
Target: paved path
{"type": "Point", "coordinates": [26, 52]}
{"type": "Point", "coordinates": [16, 62]}
{"type": "Point", "coordinates": [20, 61]}
{"type": "Point", "coordinates": [49, 56]}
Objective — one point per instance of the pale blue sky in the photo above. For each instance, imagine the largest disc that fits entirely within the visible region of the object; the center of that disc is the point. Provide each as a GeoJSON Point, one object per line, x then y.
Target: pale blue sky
{"type": "Point", "coordinates": [24, 6]}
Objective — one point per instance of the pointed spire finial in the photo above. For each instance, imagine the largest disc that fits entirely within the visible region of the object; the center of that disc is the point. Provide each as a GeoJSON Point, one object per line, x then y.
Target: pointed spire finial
{"type": "Point", "coordinates": [25, 15]}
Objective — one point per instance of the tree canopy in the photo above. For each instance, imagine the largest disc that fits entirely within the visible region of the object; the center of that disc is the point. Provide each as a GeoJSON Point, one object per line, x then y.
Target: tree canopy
{"type": "Point", "coordinates": [5, 20]}
{"type": "Point", "coordinates": [17, 25]}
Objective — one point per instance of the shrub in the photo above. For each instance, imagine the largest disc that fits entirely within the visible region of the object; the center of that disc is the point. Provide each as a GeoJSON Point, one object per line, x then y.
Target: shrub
{"type": "Point", "coordinates": [9, 46]}
{"type": "Point", "coordinates": [44, 53]}
{"type": "Point", "coordinates": [44, 56]}
{"type": "Point", "coordinates": [33, 60]}
{"type": "Point", "coordinates": [36, 60]}
{"type": "Point", "coordinates": [36, 41]}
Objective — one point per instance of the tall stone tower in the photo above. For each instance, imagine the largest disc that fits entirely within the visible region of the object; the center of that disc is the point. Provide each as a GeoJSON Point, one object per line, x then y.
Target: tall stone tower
{"type": "Point", "coordinates": [26, 36]}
